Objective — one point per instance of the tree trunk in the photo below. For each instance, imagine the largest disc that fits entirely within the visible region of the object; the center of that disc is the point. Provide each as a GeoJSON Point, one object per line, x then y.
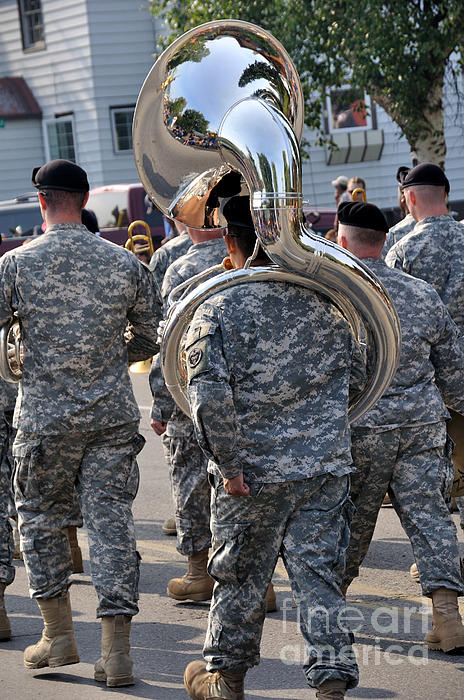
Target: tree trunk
{"type": "Point", "coordinates": [425, 135]}
{"type": "Point", "coordinates": [430, 146]}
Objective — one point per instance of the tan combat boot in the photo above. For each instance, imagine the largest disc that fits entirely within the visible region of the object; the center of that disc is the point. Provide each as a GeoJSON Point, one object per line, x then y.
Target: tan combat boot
{"type": "Point", "coordinates": [76, 553]}
{"type": "Point", "coordinates": [271, 601]}
{"type": "Point", "coordinates": [115, 665]}
{"type": "Point", "coordinates": [201, 684]}
{"type": "Point", "coordinates": [169, 527]}
{"type": "Point", "coordinates": [196, 584]}
{"type": "Point", "coordinates": [57, 647]}
{"type": "Point", "coordinates": [5, 629]}
{"type": "Point", "coordinates": [447, 631]}
{"type": "Point", "coordinates": [333, 689]}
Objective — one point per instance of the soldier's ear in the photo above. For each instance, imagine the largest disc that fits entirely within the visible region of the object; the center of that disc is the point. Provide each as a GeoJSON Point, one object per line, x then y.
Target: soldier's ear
{"type": "Point", "coordinates": [42, 201]}
{"type": "Point", "coordinates": [231, 243]}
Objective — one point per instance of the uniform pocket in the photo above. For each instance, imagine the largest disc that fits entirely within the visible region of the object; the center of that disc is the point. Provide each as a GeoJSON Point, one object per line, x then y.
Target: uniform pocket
{"type": "Point", "coordinates": [232, 557]}
{"type": "Point", "coordinates": [117, 465]}
{"type": "Point", "coordinates": [29, 468]}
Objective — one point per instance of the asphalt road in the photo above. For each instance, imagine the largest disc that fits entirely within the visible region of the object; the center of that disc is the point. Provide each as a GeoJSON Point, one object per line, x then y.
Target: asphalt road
{"type": "Point", "coordinates": [385, 606]}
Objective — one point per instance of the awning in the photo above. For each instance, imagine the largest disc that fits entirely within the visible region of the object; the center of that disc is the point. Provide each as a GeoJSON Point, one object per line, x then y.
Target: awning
{"type": "Point", "coordinates": [17, 101]}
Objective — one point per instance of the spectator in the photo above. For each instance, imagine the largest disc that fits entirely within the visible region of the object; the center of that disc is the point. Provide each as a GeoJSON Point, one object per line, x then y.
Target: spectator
{"type": "Point", "coordinates": [356, 183]}
{"type": "Point", "coordinates": [340, 183]}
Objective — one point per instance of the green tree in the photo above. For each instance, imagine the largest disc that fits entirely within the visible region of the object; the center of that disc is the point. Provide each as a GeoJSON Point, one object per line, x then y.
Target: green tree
{"type": "Point", "coordinates": [401, 52]}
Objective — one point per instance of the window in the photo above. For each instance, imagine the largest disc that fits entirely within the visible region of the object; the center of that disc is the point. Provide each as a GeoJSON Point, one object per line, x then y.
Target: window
{"type": "Point", "coordinates": [121, 126]}
{"type": "Point", "coordinates": [59, 137]}
{"type": "Point", "coordinates": [32, 29]}
{"type": "Point", "coordinates": [348, 110]}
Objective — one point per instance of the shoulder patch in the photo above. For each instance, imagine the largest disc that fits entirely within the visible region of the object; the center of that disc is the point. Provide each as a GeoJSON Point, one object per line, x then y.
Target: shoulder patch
{"type": "Point", "coordinates": [195, 356]}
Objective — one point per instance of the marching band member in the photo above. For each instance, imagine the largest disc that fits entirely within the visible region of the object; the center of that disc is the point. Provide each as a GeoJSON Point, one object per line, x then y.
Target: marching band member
{"type": "Point", "coordinates": [270, 367]}
{"type": "Point", "coordinates": [76, 415]}
{"type": "Point", "coordinates": [401, 444]}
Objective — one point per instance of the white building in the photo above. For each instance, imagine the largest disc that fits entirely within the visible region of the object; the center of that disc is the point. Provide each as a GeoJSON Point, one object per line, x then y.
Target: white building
{"type": "Point", "coordinates": [70, 73]}
{"type": "Point", "coordinates": [82, 65]}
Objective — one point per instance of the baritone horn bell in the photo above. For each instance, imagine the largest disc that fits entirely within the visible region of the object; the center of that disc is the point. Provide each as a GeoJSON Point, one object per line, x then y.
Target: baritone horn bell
{"type": "Point", "coordinates": [11, 351]}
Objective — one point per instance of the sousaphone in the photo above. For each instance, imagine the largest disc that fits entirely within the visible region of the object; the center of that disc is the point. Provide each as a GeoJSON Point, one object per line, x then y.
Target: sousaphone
{"type": "Point", "coordinates": [226, 98]}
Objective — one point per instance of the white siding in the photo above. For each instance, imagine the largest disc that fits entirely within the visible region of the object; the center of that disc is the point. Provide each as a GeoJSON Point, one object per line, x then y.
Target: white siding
{"type": "Point", "coordinates": [97, 55]}
{"type": "Point", "coordinates": [123, 42]}
{"type": "Point", "coordinates": [21, 148]}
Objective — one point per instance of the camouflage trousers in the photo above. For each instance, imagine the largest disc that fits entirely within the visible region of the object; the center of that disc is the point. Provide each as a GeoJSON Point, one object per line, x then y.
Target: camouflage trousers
{"type": "Point", "coordinates": [460, 505]}
{"type": "Point", "coordinates": [75, 517]}
{"type": "Point", "coordinates": [307, 523]}
{"type": "Point", "coordinates": [7, 570]}
{"type": "Point", "coordinates": [414, 465]}
{"type": "Point", "coordinates": [190, 491]}
{"type": "Point", "coordinates": [101, 468]}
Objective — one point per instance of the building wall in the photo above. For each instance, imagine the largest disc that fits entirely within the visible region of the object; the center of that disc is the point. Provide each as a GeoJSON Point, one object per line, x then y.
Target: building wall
{"type": "Point", "coordinates": [21, 148]}
{"type": "Point", "coordinates": [60, 76]}
{"type": "Point", "coordinates": [97, 55]}
{"type": "Point", "coordinates": [122, 55]}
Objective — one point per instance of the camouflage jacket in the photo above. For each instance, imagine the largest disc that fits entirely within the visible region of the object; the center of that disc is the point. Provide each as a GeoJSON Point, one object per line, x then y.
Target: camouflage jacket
{"type": "Point", "coordinates": [432, 360]}
{"type": "Point", "coordinates": [270, 366]}
{"type": "Point", "coordinates": [198, 258]}
{"type": "Point", "coordinates": [165, 255]}
{"type": "Point", "coordinates": [86, 308]}
{"type": "Point", "coordinates": [434, 252]}
{"type": "Point", "coordinates": [397, 232]}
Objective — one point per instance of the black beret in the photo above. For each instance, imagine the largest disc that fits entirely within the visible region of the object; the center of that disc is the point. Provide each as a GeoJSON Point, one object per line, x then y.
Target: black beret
{"type": "Point", "coordinates": [363, 215]}
{"type": "Point", "coordinates": [237, 212]}
{"type": "Point", "coordinates": [425, 174]}
{"type": "Point", "coordinates": [60, 175]}
{"type": "Point", "coordinates": [401, 173]}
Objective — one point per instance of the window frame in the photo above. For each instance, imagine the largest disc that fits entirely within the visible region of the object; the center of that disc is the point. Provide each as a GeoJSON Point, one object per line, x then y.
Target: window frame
{"type": "Point", "coordinates": [114, 110]}
{"type": "Point", "coordinates": [24, 14]}
{"type": "Point", "coordinates": [370, 115]}
{"type": "Point", "coordinates": [61, 118]}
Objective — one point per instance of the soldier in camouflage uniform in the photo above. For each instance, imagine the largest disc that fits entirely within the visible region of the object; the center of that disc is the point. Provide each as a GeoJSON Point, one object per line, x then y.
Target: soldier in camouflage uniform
{"type": "Point", "coordinates": [434, 250]}
{"type": "Point", "coordinates": [407, 223]}
{"type": "Point", "coordinates": [187, 464]}
{"type": "Point", "coordinates": [401, 444]}
{"type": "Point", "coordinates": [270, 366]}
{"type": "Point", "coordinates": [162, 257]}
{"type": "Point", "coordinates": [165, 255]}
{"type": "Point", "coordinates": [86, 308]}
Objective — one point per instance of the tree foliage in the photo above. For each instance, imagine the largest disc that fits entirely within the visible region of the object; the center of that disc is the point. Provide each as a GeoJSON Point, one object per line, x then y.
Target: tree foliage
{"type": "Point", "coordinates": [398, 51]}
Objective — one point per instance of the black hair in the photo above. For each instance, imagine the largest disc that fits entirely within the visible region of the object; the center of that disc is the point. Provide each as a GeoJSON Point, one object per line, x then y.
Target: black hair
{"type": "Point", "coordinates": [246, 240]}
